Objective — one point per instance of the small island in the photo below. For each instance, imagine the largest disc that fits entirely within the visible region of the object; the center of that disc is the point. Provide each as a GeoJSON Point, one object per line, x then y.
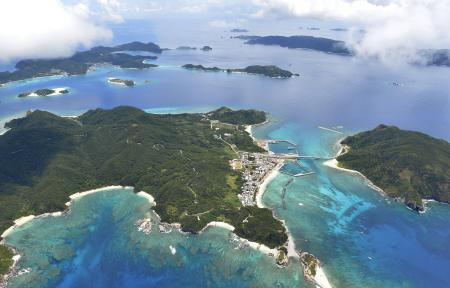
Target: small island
{"type": "Point", "coordinates": [44, 92]}
{"type": "Point", "coordinates": [406, 165]}
{"type": "Point", "coordinates": [81, 62]}
{"type": "Point", "coordinates": [301, 42]}
{"type": "Point", "coordinates": [186, 48]}
{"type": "Point", "coordinates": [206, 48]}
{"type": "Point", "coordinates": [238, 30]}
{"type": "Point", "coordinates": [268, 70]}
{"type": "Point", "coordinates": [117, 81]}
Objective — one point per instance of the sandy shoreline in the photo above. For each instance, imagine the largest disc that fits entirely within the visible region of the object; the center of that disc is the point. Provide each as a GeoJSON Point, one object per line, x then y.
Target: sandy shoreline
{"type": "Point", "coordinates": [333, 163]}
{"type": "Point", "coordinates": [321, 278]}
{"type": "Point", "coordinates": [56, 93]}
{"type": "Point", "coordinates": [25, 219]}
{"type": "Point", "coordinates": [147, 196]}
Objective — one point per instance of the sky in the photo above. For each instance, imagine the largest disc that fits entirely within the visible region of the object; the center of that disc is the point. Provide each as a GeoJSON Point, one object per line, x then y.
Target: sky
{"type": "Point", "coordinates": [394, 29]}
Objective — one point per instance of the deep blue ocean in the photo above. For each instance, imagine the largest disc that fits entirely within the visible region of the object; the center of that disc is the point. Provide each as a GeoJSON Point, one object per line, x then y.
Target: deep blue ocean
{"type": "Point", "coordinates": [362, 238]}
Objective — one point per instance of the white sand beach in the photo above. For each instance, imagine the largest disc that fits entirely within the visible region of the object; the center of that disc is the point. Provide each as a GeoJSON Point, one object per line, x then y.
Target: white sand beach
{"type": "Point", "coordinates": [321, 279]}
{"type": "Point", "coordinates": [223, 225]}
{"type": "Point", "coordinates": [56, 93]}
{"type": "Point", "coordinates": [262, 188]}
{"type": "Point", "coordinates": [262, 248]}
{"type": "Point", "coordinates": [17, 223]}
{"type": "Point", "coordinates": [82, 194]}
{"type": "Point", "coordinates": [147, 196]}
{"type": "Point", "coordinates": [333, 163]}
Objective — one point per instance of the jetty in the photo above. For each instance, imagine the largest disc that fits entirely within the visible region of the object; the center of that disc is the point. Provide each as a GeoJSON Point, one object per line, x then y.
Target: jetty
{"type": "Point", "coordinates": [329, 129]}
{"type": "Point", "coordinates": [298, 174]}
{"type": "Point", "coordinates": [282, 141]}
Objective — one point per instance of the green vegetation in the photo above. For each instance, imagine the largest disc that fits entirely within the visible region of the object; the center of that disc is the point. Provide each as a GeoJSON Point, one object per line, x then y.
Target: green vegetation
{"type": "Point", "coordinates": [310, 264]}
{"type": "Point", "coordinates": [128, 83]}
{"type": "Point", "coordinates": [206, 48]}
{"type": "Point", "coordinates": [178, 159]}
{"type": "Point", "coordinates": [202, 68]}
{"type": "Point", "coordinates": [43, 92]}
{"type": "Point", "coordinates": [80, 63]}
{"type": "Point", "coordinates": [405, 164]}
{"type": "Point", "coordinates": [269, 71]}
{"type": "Point", "coordinates": [6, 260]}
{"type": "Point", "coordinates": [242, 117]}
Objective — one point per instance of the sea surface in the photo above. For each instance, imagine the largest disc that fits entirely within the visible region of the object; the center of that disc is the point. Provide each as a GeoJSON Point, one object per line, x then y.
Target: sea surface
{"type": "Point", "coordinates": [362, 238]}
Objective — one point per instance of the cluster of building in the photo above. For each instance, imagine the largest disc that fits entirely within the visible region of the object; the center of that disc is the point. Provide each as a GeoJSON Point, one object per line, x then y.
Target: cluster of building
{"type": "Point", "coordinates": [255, 168]}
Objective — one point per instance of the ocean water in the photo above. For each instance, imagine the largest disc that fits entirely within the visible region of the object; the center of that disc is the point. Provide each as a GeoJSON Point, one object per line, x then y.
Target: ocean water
{"type": "Point", "coordinates": [363, 239]}
{"type": "Point", "coordinates": [97, 244]}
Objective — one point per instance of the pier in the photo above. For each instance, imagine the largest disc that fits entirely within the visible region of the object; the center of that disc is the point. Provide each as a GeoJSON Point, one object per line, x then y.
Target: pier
{"type": "Point", "coordinates": [282, 141]}
{"type": "Point", "coordinates": [298, 174]}
{"type": "Point", "coordinates": [329, 129]}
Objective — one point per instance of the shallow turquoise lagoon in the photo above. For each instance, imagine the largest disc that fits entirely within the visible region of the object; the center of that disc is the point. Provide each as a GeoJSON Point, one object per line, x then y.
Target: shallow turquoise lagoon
{"type": "Point", "coordinates": [97, 244]}
{"type": "Point", "coordinates": [363, 238]}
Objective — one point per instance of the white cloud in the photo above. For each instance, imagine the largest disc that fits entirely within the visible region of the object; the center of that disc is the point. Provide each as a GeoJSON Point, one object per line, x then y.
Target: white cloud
{"type": "Point", "coordinates": [395, 28]}
{"type": "Point", "coordinates": [110, 10]}
{"type": "Point", "coordinates": [47, 28]}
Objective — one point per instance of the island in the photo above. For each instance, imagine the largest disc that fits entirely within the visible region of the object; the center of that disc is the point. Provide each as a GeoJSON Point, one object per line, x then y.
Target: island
{"type": "Point", "coordinates": [407, 165]}
{"type": "Point", "coordinates": [436, 57]}
{"type": "Point", "coordinates": [117, 81]}
{"type": "Point", "coordinates": [44, 92]}
{"type": "Point", "coordinates": [268, 70]}
{"type": "Point", "coordinates": [238, 30]}
{"type": "Point", "coordinates": [206, 48]}
{"type": "Point", "coordinates": [192, 164]}
{"type": "Point", "coordinates": [303, 42]}
{"type": "Point", "coordinates": [428, 57]}
{"type": "Point", "coordinates": [81, 62]}
{"type": "Point", "coordinates": [186, 48]}
{"type": "Point", "coordinates": [339, 29]}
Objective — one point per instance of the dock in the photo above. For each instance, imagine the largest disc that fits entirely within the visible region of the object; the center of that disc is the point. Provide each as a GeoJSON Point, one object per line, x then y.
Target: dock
{"type": "Point", "coordinates": [298, 174]}
{"type": "Point", "coordinates": [329, 129]}
{"type": "Point", "coordinates": [282, 141]}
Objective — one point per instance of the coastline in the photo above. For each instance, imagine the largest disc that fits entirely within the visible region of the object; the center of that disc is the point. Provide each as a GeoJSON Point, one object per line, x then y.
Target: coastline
{"type": "Point", "coordinates": [333, 163]}
{"type": "Point", "coordinates": [58, 91]}
{"type": "Point", "coordinates": [320, 279]}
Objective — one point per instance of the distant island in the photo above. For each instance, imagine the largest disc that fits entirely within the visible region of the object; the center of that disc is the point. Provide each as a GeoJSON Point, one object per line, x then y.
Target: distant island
{"type": "Point", "coordinates": [436, 57]}
{"type": "Point", "coordinates": [184, 161]}
{"type": "Point", "coordinates": [269, 70]}
{"type": "Point", "coordinates": [407, 165]}
{"type": "Point", "coordinates": [44, 92]}
{"type": "Point", "coordinates": [186, 48]}
{"type": "Point", "coordinates": [81, 62]}
{"type": "Point", "coordinates": [206, 48]}
{"type": "Point", "coordinates": [339, 29]}
{"type": "Point", "coordinates": [237, 30]}
{"type": "Point", "coordinates": [430, 57]}
{"type": "Point", "coordinates": [128, 83]}
{"type": "Point", "coordinates": [303, 42]}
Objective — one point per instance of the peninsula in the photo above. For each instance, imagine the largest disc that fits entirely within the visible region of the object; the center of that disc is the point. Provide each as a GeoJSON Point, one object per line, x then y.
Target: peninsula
{"type": "Point", "coordinates": [81, 62]}
{"type": "Point", "coordinates": [184, 161]}
{"type": "Point", "coordinates": [302, 42]}
{"type": "Point", "coordinates": [407, 165]}
{"type": "Point", "coordinates": [268, 70]}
